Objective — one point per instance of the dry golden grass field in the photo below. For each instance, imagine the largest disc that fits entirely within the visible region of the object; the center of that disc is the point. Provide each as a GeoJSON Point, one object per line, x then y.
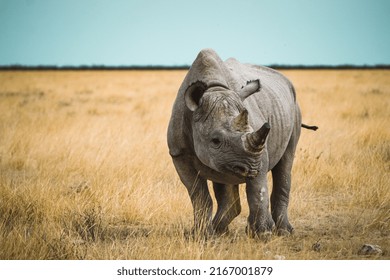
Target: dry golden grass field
{"type": "Point", "coordinates": [85, 171]}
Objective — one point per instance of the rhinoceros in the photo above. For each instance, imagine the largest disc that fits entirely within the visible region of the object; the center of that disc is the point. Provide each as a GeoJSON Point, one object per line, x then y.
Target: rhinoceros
{"type": "Point", "coordinates": [231, 123]}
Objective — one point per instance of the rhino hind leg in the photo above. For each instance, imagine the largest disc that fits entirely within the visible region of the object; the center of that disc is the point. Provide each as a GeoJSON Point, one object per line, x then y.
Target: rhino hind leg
{"type": "Point", "coordinates": [199, 194]}
{"type": "Point", "coordinates": [279, 202]}
{"type": "Point", "coordinates": [229, 207]}
{"type": "Point", "coordinates": [281, 178]}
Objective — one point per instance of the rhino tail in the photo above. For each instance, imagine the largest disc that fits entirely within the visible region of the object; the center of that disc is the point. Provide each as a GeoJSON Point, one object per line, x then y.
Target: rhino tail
{"type": "Point", "coordinates": [311, 127]}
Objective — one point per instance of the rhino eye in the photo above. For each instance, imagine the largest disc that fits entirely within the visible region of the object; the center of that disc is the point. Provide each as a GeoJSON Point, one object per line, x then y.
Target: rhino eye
{"type": "Point", "coordinates": [216, 141]}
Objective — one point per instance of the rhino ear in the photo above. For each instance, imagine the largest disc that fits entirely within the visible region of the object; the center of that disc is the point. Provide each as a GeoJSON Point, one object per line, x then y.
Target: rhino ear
{"type": "Point", "coordinates": [250, 88]}
{"type": "Point", "coordinates": [193, 94]}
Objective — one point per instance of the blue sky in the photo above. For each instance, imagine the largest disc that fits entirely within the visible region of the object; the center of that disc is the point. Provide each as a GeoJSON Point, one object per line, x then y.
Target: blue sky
{"type": "Point", "coordinates": [171, 32]}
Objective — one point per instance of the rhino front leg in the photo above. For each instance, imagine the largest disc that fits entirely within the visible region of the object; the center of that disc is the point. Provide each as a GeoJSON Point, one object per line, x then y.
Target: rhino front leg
{"type": "Point", "coordinates": [199, 194]}
{"type": "Point", "coordinates": [260, 223]}
{"type": "Point", "coordinates": [229, 207]}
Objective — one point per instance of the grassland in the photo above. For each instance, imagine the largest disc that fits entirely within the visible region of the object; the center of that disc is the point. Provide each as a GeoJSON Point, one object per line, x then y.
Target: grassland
{"type": "Point", "coordinates": [85, 171]}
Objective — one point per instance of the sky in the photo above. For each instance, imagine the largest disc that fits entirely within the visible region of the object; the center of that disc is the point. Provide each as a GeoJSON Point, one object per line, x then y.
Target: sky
{"type": "Point", "coordinates": [172, 32]}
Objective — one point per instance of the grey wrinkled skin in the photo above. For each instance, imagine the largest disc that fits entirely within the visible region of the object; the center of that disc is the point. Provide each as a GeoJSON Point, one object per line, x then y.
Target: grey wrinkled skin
{"type": "Point", "coordinates": [231, 123]}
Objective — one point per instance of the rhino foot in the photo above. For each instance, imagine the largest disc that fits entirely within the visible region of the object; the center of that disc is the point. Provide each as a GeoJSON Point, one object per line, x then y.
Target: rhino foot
{"type": "Point", "coordinates": [195, 234]}
{"type": "Point", "coordinates": [286, 230]}
{"type": "Point", "coordinates": [261, 231]}
{"type": "Point", "coordinates": [218, 231]}
{"type": "Point", "coordinates": [263, 236]}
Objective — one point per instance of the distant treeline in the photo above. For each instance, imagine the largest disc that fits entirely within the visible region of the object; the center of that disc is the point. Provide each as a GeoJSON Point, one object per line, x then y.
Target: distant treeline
{"type": "Point", "coordinates": [93, 67]}
{"type": "Point", "coordinates": [185, 67]}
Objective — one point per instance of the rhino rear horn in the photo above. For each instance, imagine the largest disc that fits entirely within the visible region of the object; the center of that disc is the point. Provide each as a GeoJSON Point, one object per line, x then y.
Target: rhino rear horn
{"type": "Point", "coordinates": [250, 88]}
{"type": "Point", "coordinates": [241, 121]}
{"type": "Point", "coordinates": [193, 94]}
{"type": "Point", "coordinates": [256, 140]}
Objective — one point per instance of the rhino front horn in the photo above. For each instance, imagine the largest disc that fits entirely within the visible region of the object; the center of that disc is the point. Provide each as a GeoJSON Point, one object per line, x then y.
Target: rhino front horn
{"type": "Point", "coordinates": [255, 140]}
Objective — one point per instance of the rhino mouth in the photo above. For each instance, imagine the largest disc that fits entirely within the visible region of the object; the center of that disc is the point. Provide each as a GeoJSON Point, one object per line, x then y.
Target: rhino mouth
{"type": "Point", "coordinates": [245, 172]}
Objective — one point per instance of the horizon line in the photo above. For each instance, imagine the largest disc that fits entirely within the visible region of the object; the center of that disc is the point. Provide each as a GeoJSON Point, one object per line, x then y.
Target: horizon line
{"type": "Point", "coordinates": [183, 67]}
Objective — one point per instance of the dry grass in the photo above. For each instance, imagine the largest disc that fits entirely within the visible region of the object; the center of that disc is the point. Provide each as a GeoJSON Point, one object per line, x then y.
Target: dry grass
{"type": "Point", "coordinates": [85, 171]}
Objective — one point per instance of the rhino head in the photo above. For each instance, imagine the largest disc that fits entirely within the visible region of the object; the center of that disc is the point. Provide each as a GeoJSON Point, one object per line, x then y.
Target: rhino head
{"type": "Point", "coordinates": [223, 138]}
